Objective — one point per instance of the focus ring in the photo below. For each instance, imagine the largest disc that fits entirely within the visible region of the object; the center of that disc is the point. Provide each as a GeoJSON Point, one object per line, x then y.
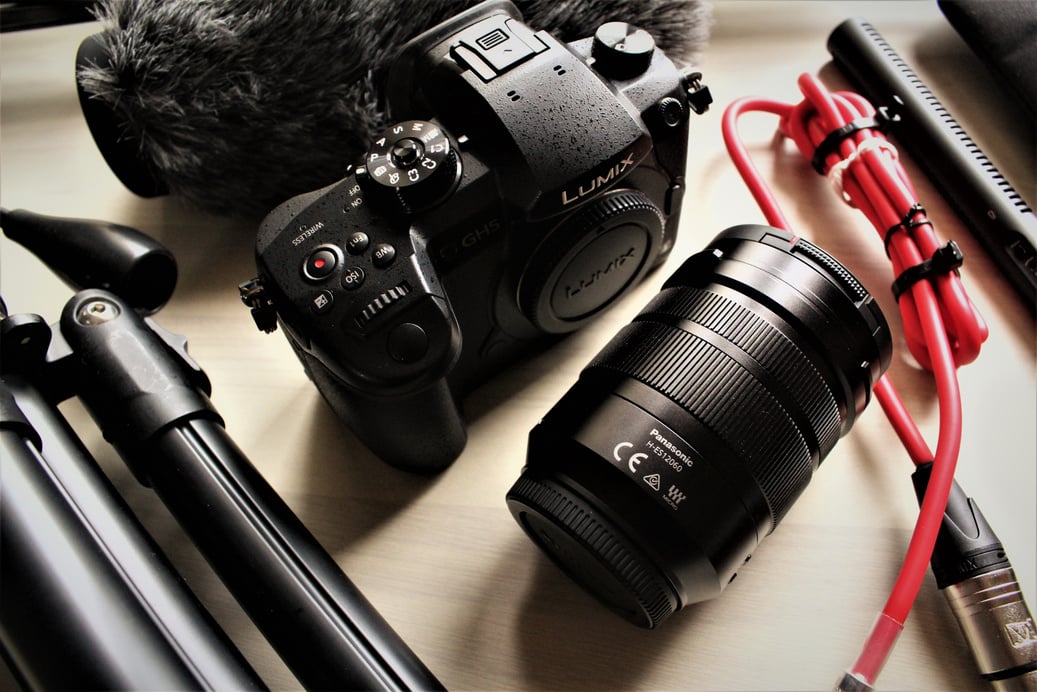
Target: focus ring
{"type": "Point", "coordinates": [834, 268]}
{"type": "Point", "coordinates": [653, 595]}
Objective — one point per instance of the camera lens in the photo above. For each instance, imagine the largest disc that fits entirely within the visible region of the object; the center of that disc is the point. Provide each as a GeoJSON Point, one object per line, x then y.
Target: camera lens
{"type": "Point", "coordinates": [689, 436]}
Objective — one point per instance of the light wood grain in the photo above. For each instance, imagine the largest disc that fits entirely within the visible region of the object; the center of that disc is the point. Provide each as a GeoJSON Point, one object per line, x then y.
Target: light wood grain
{"type": "Point", "coordinates": [441, 557]}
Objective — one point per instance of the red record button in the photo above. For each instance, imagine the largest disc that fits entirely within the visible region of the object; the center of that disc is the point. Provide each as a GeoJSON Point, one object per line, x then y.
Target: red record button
{"type": "Point", "coordinates": [320, 264]}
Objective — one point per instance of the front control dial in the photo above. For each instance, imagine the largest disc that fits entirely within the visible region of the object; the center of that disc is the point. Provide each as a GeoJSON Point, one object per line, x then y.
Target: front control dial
{"type": "Point", "coordinates": [411, 166]}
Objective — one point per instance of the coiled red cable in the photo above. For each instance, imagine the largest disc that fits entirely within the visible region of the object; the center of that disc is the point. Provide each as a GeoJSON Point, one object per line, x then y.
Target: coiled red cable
{"type": "Point", "coordinates": [942, 327]}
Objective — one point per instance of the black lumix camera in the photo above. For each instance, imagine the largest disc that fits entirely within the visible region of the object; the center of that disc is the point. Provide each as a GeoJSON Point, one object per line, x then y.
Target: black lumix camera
{"type": "Point", "coordinates": [525, 186]}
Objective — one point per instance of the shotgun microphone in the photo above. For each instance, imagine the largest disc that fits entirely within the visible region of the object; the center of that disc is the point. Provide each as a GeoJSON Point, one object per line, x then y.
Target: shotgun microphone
{"type": "Point", "coordinates": [237, 106]}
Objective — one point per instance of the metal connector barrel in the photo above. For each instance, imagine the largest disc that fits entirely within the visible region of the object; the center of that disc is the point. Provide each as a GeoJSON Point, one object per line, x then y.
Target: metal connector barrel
{"type": "Point", "coordinates": [999, 628]}
{"type": "Point", "coordinates": [973, 572]}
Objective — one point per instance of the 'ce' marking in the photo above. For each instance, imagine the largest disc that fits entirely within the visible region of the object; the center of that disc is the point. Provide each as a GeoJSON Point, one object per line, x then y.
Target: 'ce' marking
{"type": "Point", "coordinates": [634, 459]}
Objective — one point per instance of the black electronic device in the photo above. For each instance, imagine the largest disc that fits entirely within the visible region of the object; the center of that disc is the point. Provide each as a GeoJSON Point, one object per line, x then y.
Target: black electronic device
{"type": "Point", "coordinates": [526, 186]}
{"type": "Point", "coordinates": [988, 204]}
{"type": "Point", "coordinates": [167, 85]}
{"type": "Point", "coordinates": [86, 600]}
{"type": "Point", "coordinates": [689, 436]}
{"type": "Point", "coordinates": [22, 15]}
{"type": "Point", "coordinates": [1001, 34]}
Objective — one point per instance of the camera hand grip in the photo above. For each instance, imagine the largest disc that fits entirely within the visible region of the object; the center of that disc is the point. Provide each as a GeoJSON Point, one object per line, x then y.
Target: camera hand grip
{"type": "Point", "coordinates": [433, 431]}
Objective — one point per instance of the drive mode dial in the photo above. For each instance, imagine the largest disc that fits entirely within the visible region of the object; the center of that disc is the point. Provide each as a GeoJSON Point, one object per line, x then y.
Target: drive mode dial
{"type": "Point", "coordinates": [412, 166]}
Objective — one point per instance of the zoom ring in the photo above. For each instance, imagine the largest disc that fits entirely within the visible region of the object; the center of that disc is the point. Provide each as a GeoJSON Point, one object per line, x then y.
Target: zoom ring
{"type": "Point", "coordinates": [791, 369]}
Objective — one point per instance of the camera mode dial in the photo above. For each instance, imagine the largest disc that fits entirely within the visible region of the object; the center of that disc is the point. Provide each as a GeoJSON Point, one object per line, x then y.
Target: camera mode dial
{"type": "Point", "coordinates": [410, 167]}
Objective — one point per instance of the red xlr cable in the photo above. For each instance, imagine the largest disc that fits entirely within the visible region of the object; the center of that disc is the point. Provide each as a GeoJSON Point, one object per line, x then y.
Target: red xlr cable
{"type": "Point", "coordinates": [841, 134]}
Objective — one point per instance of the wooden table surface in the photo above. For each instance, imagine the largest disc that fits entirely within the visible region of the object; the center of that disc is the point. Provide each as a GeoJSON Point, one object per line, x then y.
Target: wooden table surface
{"type": "Point", "coordinates": [441, 557]}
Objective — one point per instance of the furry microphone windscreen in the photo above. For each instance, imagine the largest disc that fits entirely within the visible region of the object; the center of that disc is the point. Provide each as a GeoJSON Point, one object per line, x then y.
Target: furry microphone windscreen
{"type": "Point", "coordinates": [238, 105]}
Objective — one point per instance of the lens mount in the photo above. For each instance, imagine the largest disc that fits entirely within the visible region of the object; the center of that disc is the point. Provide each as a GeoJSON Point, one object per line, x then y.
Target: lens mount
{"type": "Point", "coordinates": [590, 260]}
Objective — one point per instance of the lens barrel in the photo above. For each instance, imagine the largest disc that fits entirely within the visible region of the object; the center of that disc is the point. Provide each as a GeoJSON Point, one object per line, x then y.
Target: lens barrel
{"type": "Point", "coordinates": [689, 436]}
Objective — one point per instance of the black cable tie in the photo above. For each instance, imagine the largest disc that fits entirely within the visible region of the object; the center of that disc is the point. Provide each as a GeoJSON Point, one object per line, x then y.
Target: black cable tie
{"type": "Point", "coordinates": [831, 142]}
{"type": "Point", "coordinates": [907, 223]}
{"type": "Point", "coordinates": [946, 259]}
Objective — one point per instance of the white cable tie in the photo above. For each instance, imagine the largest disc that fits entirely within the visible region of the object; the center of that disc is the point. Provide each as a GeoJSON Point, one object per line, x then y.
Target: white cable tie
{"type": "Point", "coordinates": [835, 173]}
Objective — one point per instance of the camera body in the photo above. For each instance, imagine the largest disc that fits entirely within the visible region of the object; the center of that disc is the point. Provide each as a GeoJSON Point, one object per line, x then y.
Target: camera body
{"type": "Point", "coordinates": [523, 188]}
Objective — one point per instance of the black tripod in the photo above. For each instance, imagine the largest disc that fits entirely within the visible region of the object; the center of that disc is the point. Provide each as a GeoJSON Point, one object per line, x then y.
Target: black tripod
{"type": "Point", "coordinates": [87, 600]}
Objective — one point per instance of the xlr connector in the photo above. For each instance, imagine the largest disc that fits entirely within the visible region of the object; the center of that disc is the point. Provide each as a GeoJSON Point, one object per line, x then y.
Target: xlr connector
{"type": "Point", "coordinates": [998, 627]}
{"type": "Point", "coordinates": [974, 574]}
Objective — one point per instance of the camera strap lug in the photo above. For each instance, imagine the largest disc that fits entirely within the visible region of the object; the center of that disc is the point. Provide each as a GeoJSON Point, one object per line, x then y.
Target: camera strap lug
{"type": "Point", "coordinates": [699, 97]}
{"type": "Point", "coordinates": [254, 295]}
